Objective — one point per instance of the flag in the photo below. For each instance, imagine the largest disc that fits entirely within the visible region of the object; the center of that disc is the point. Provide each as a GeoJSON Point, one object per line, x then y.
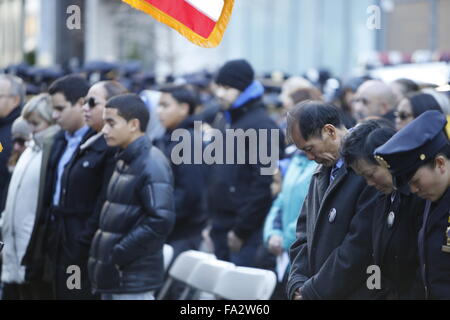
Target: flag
{"type": "Point", "coordinates": [203, 22]}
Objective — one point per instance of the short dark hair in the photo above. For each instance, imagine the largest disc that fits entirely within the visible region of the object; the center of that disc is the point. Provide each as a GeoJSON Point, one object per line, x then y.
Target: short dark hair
{"type": "Point", "coordinates": [422, 102]}
{"type": "Point", "coordinates": [361, 142]}
{"type": "Point", "coordinates": [444, 151]}
{"type": "Point", "coordinates": [311, 117]}
{"type": "Point", "coordinates": [113, 88]}
{"type": "Point", "coordinates": [408, 85]}
{"type": "Point", "coordinates": [183, 95]}
{"type": "Point", "coordinates": [73, 87]}
{"type": "Point", "coordinates": [130, 106]}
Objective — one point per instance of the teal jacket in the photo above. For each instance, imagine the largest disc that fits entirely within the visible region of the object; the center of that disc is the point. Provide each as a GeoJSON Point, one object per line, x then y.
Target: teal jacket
{"type": "Point", "coordinates": [283, 215]}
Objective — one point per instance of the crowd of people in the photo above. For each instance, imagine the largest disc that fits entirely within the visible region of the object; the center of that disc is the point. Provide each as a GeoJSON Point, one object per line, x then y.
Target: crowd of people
{"type": "Point", "coordinates": [88, 180]}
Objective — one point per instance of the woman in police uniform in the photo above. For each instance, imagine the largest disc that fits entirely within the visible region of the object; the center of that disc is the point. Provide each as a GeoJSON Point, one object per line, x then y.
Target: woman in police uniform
{"type": "Point", "coordinates": [397, 215]}
{"type": "Point", "coordinates": [419, 156]}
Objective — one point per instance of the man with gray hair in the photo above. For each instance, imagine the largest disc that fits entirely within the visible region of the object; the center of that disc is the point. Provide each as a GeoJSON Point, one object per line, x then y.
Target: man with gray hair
{"type": "Point", "coordinates": [12, 96]}
{"type": "Point", "coordinates": [374, 99]}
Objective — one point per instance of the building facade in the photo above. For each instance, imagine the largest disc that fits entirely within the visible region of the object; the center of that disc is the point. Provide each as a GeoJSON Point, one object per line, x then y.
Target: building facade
{"type": "Point", "coordinates": [12, 14]}
{"type": "Point", "coordinates": [291, 36]}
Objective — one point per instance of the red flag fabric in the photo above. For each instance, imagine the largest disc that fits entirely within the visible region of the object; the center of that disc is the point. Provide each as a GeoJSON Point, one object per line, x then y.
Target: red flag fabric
{"type": "Point", "coordinates": [203, 22]}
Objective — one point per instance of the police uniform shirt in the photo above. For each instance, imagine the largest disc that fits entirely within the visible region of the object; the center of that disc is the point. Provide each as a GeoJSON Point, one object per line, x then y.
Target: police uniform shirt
{"type": "Point", "coordinates": [435, 260]}
{"type": "Point", "coordinates": [408, 150]}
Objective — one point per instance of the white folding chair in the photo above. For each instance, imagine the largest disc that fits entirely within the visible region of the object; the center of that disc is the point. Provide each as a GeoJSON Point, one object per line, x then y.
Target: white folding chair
{"type": "Point", "coordinates": [182, 268]}
{"type": "Point", "coordinates": [205, 275]}
{"type": "Point", "coordinates": [168, 255]}
{"type": "Point", "coordinates": [243, 283]}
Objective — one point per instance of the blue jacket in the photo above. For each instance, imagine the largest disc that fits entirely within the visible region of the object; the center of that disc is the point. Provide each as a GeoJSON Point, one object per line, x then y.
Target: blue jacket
{"type": "Point", "coordinates": [286, 208]}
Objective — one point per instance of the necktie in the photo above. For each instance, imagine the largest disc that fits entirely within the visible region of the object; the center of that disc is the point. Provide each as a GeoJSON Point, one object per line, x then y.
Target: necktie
{"type": "Point", "coordinates": [333, 174]}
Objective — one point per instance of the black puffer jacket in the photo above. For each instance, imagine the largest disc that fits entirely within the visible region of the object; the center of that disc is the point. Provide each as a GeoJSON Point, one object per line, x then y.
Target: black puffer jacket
{"type": "Point", "coordinates": [126, 253]}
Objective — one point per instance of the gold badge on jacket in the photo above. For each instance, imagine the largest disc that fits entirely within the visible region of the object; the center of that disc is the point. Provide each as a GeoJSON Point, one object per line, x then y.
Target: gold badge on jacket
{"type": "Point", "coordinates": [446, 248]}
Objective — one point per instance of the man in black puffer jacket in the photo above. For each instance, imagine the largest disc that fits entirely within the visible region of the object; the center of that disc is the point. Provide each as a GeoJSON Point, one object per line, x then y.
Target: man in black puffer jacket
{"type": "Point", "coordinates": [126, 257]}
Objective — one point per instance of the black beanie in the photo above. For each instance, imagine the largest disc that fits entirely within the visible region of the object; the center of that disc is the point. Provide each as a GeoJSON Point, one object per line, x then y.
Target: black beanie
{"type": "Point", "coordinates": [237, 74]}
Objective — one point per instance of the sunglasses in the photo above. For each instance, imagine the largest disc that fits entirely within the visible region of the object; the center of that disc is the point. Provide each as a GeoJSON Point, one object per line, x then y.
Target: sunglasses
{"type": "Point", "coordinates": [19, 141]}
{"type": "Point", "coordinates": [402, 115]}
{"type": "Point", "coordinates": [364, 101]}
{"type": "Point", "coordinates": [92, 103]}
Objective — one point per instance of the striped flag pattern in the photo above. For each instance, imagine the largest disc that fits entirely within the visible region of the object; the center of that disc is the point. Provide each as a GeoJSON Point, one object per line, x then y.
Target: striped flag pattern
{"type": "Point", "coordinates": [203, 22]}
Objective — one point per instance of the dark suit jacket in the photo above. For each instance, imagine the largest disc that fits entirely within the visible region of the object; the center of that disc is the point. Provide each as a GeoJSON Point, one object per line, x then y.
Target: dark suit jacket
{"type": "Point", "coordinates": [83, 189]}
{"type": "Point", "coordinates": [7, 143]}
{"type": "Point", "coordinates": [333, 247]}
{"type": "Point", "coordinates": [395, 246]}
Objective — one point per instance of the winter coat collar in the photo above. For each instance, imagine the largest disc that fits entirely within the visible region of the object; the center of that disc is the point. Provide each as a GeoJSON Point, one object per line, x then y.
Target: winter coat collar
{"type": "Point", "coordinates": [89, 142]}
{"type": "Point", "coordinates": [11, 117]}
{"type": "Point", "coordinates": [247, 98]}
{"type": "Point", "coordinates": [135, 148]}
{"type": "Point", "coordinates": [40, 137]}
{"type": "Point", "coordinates": [321, 169]}
{"type": "Point", "coordinates": [188, 122]}
{"type": "Point", "coordinates": [235, 114]}
{"type": "Point", "coordinates": [255, 90]}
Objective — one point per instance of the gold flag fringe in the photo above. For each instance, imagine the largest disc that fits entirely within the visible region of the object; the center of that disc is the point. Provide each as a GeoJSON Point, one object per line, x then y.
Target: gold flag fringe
{"type": "Point", "coordinates": [212, 41]}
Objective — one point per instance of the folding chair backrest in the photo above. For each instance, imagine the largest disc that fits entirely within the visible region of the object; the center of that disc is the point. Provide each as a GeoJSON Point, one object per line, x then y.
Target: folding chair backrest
{"type": "Point", "coordinates": [168, 255]}
{"type": "Point", "coordinates": [206, 274]}
{"type": "Point", "coordinates": [185, 263]}
{"type": "Point", "coordinates": [243, 283]}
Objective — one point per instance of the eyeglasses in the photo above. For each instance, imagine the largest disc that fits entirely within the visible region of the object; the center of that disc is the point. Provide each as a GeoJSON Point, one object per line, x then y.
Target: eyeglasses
{"type": "Point", "coordinates": [402, 115]}
{"type": "Point", "coordinates": [92, 103]}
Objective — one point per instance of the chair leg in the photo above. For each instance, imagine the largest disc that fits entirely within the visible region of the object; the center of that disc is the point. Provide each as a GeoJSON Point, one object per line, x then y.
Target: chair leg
{"type": "Point", "coordinates": [165, 288]}
{"type": "Point", "coordinates": [196, 295]}
{"type": "Point", "coordinates": [185, 293]}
